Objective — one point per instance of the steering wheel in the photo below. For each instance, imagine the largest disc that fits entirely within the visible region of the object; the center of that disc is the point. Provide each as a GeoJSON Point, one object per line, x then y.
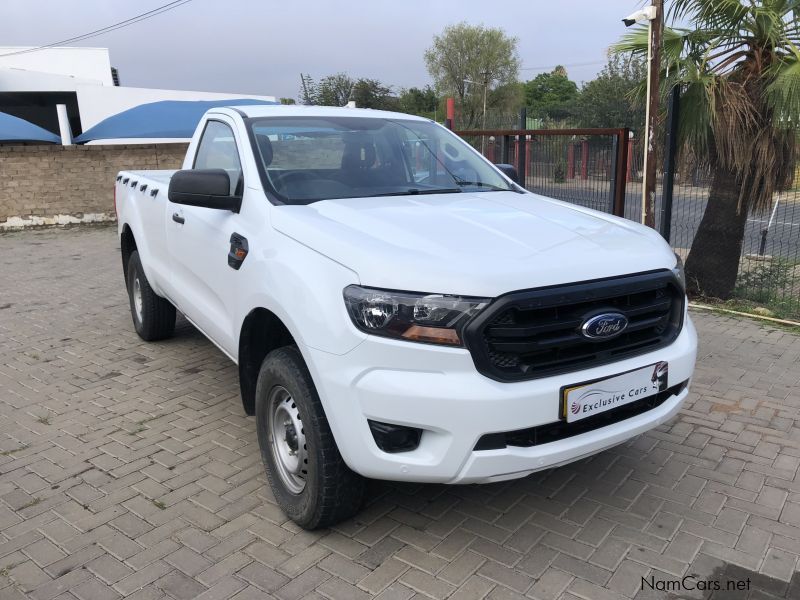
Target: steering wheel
{"type": "Point", "coordinates": [295, 177]}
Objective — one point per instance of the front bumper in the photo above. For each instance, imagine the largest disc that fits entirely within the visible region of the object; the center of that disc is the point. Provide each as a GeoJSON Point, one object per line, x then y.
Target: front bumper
{"type": "Point", "coordinates": [439, 390]}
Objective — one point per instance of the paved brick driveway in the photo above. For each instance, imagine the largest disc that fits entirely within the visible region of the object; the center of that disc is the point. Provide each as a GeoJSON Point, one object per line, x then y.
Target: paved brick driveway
{"type": "Point", "coordinates": [129, 469]}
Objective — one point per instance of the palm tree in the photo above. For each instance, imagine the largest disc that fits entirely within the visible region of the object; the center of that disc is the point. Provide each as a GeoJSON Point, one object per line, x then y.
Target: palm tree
{"type": "Point", "coordinates": [738, 66]}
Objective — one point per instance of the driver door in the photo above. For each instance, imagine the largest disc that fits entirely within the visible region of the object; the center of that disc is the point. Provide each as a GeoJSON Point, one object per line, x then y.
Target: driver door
{"type": "Point", "coordinates": [199, 241]}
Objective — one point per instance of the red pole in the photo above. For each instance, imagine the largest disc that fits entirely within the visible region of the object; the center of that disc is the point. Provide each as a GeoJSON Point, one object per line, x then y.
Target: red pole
{"type": "Point", "coordinates": [585, 159]}
{"type": "Point", "coordinates": [490, 149]}
{"type": "Point", "coordinates": [450, 118]}
{"type": "Point", "coordinates": [630, 159]}
{"type": "Point", "coordinates": [571, 161]}
{"type": "Point", "coordinates": [528, 156]}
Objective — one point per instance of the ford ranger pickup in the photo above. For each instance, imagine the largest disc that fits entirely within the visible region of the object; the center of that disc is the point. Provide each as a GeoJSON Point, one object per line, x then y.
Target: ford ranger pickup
{"type": "Point", "coordinates": [399, 307]}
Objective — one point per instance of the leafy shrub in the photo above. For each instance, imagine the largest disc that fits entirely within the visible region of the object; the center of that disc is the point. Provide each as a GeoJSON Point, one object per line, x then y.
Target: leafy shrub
{"type": "Point", "coordinates": [560, 172]}
{"type": "Point", "coordinates": [766, 282]}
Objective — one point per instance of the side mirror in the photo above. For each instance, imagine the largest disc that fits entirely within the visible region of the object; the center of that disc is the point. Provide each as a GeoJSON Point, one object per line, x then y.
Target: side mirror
{"type": "Point", "coordinates": [209, 188]}
{"type": "Point", "coordinates": [509, 171]}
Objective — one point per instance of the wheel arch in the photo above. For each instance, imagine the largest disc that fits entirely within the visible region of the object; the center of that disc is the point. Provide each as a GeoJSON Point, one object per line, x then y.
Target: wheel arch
{"type": "Point", "coordinates": [127, 244]}
{"type": "Point", "coordinates": [262, 331]}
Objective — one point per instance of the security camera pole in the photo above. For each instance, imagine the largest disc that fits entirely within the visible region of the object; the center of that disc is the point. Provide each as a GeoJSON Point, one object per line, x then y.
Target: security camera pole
{"type": "Point", "coordinates": [655, 27]}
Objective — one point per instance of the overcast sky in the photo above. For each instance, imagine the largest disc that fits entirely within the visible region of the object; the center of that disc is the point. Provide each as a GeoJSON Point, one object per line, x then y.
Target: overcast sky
{"type": "Point", "coordinates": [261, 46]}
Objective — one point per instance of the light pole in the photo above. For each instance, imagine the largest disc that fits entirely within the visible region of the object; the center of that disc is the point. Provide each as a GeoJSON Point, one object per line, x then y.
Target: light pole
{"type": "Point", "coordinates": [487, 76]}
{"type": "Point", "coordinates": [653, 14]}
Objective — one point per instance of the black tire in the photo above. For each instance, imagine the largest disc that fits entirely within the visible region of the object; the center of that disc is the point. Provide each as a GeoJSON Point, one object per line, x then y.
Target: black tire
{"type": "Point", "coordinates": [331, 492]}
{"type": "Point", "coordinates": [156, 320]}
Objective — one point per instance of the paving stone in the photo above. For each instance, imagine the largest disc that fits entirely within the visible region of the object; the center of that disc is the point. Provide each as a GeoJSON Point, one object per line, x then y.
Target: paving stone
{"type": "Point", "coordinates": [150, 486]}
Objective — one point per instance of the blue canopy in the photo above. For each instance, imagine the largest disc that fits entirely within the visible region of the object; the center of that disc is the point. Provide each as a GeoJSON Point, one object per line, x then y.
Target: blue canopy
{"type": "Point", "coordinates": [164, 119]}
{"type": "Point", "coordinates": [14, 129]}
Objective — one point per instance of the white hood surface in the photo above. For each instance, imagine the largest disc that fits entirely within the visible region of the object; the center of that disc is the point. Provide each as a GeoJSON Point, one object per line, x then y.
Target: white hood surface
{"type": "Point", "coordinates": [472, 244]}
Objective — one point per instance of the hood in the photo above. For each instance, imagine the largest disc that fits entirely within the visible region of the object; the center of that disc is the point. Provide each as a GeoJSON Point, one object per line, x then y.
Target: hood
{"type": "Point", "coordinates": [472, 244]}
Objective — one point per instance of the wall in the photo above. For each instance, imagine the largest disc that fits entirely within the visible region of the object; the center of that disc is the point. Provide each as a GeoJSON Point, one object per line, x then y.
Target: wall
{"type": "Point", "coordinates": [88, 64]}
{"type": "Point", "coordinates": [59, 185]}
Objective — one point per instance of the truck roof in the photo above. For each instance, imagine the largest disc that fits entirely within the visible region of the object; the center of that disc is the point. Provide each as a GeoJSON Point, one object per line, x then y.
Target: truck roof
{"type": "Point", "coordinates": [295, 110]}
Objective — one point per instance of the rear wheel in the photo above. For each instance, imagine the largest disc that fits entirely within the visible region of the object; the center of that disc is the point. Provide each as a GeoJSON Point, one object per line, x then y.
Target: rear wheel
{"type": "Point", "coordinates": [153, 316]}
{"type": "Point", "coordinates": [309, 479]}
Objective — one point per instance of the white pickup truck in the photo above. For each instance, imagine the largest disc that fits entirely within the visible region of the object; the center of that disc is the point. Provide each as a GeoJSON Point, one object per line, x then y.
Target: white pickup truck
{"type": "Point", "coordinates": [398, 307]}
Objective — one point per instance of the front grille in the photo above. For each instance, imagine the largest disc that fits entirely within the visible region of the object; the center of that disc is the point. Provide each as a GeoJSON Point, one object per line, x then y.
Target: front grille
{"type": "Point", "coordinates": [551, 432]}
{"type": "Point", "coordinates": [537, 333]}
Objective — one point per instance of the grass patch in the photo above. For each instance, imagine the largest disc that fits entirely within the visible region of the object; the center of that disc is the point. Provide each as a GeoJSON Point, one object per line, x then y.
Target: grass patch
{"type": "Point", "coordinates": [14, 451]}
{"type": "Point", "coordinates": [45, 420]}
{"type": "Point", "coordinates": [140, 425]}
{"type": "Point", "coordinates": [33, 502]}
{"type": "Point", "coordinates": [719, 307]}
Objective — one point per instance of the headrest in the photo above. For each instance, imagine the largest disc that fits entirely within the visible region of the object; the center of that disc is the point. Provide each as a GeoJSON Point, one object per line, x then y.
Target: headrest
{"type": "Point", "coordinates": [265, 147]}
{"type": "Point", "coordinates": [359, 152]}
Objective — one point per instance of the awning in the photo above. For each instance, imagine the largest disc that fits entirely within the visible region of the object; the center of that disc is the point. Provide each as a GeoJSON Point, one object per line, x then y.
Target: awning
{"type": "Point", "coordinates": [14, 129]}
{"type": "Point", "coordinates": [164, 119]}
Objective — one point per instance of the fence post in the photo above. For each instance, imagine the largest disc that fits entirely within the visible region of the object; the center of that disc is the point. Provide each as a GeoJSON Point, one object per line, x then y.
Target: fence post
{"type": "Point", "coordinates": [620, 167]}
{"type": "Point", "coordinates": [629, 175]}
{"type": "Point", "coordinates": [570, 161]}
{"type": "Point", "coordinates": [673, 115]}
{"type": "Point", "coordinates": [505, 149]}
{"type": "Point", "coordinates": [522, 162]}
{"type": "Point", "coordinates": [585, 159]}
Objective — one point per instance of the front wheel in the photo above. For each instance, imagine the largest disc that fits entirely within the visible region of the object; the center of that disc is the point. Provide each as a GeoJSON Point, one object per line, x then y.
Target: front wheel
{"type": "Point", "coordinates": [308, 477]}
{"type": "Point", "coordinates": [153, 316]}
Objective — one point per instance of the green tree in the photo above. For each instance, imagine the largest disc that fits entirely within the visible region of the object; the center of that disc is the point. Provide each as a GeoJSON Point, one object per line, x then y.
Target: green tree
{"type": "Point", "coordinates": [339, 89]}
{"type": "Point", "coordinates": [551, 95]}
{"type": "Point", "coordinates": [485, 56]}
{"type": "Point", "coordinates": [371, 93]}
{"type": "Point", "coordinates": [333, 90]}
{"type": "Point", "coordinates": [610, 100]}
{"type": "Point", "coordinates": [419, 101]}
{"type": "Point", "coordinates": [287, 101]}
{"type": "Point", "coordinates": [739, 67]}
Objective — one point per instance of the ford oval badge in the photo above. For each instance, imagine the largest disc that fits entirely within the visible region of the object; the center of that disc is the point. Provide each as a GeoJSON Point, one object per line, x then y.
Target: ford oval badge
{"type": "Point", "coordinates": [604, 326]}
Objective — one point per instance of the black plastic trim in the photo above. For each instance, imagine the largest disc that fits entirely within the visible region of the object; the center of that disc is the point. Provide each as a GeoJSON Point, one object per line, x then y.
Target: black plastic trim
{"type": "Point", "coordinates": [561, 295]}
{"type": "Point", "coordinates": [560, 430]}
{"type": "Point", "coordinates": [383, 434]}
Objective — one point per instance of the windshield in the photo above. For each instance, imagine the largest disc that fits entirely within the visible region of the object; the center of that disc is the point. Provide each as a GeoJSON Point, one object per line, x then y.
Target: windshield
{"type": "Point", "coordinates": [306, 159]}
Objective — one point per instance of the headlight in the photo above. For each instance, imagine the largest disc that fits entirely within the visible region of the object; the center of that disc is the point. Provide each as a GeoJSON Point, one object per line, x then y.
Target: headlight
{"type": "Point", "coordinates": [679, 272]}
{"type": "Point", "coordinates": [431, 318]}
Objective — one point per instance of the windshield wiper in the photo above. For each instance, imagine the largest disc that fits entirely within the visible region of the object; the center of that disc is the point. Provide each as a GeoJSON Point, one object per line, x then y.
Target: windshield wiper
{"type": "Point", "coordinates": [488, 186]}
{"type": "Point", "coordinates": [418, 192]}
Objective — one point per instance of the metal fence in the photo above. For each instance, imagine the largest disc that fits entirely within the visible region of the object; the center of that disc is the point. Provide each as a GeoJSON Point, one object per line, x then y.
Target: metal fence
{"type": "Point", "coordinates": [582, 166]}
{"type": "Point", "coordinates": [602, 169]}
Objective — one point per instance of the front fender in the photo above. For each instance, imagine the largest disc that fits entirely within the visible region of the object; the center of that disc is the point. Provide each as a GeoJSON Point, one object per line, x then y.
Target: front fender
{"type": "Point", "coordinates": [303, 289]}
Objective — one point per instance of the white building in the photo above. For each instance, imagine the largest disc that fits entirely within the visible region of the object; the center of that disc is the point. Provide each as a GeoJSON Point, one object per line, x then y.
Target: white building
{"type": "Point", "coordinates": [33, 83]}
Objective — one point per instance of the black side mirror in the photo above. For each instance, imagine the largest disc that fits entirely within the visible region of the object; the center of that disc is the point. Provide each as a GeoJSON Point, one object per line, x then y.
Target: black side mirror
{"type": "Point", "coordinates": [209, 188]}
{"type": "Point", "coordinates": [509, 171]}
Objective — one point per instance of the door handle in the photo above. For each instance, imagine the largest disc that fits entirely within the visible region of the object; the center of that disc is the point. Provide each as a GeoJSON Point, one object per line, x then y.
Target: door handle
{"type": "Point", "coordinates": [178, 219]}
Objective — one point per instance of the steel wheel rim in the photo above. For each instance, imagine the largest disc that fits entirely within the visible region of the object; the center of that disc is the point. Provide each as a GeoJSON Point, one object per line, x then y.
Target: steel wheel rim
{"type": "Point", "coordinates": [137, 298]}
{"type": "Point", "coordinates": [287, 440]}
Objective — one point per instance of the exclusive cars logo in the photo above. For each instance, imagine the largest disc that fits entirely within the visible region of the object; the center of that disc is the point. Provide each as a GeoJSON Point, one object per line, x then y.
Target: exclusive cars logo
{"type": "Point", "coordinates": [604, 326]}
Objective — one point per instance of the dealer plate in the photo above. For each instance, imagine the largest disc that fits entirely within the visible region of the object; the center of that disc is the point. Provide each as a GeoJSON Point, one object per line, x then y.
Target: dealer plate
{"type": "Point", "coordinates": [591, 398]}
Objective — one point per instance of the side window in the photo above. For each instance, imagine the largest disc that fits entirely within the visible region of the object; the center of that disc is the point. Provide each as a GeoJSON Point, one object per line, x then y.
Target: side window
{"type": "Point", "coordinates": [217, 150]}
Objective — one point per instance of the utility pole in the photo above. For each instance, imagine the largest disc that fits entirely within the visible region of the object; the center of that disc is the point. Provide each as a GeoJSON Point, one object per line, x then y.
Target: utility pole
{"type": "Point", "coordinates": [655, 29]}
{"type": "Point", "coordinates": [487, 76]}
